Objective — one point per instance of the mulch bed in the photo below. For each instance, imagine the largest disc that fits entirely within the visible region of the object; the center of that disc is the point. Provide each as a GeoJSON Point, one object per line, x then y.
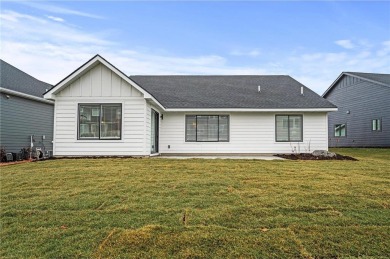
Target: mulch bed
{"type": "Point", "coordinates": [309, 156]}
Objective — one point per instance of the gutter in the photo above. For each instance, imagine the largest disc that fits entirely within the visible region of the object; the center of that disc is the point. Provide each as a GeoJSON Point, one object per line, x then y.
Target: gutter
{"type": "Point", "coordinates": [250, 110]}
{"type": "Point", "coordinates": [26, 96]}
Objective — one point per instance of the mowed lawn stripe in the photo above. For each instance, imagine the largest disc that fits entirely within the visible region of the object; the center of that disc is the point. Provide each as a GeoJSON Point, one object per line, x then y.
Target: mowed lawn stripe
{"type": "Point", "coordinates": [201, 241]}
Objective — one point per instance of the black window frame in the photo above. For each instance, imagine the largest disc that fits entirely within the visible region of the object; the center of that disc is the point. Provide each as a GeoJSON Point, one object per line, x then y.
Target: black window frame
{"type": "Point", "coordinates": [100, 121]}
{"type": "Point", "coordinates": [196, 130]}
{"type": "Point", "coordinates": [380, 123]}
{"type": "Point", "coordinates": [288, 127]}
{"type": "Point", "coordinates": [334, 130]}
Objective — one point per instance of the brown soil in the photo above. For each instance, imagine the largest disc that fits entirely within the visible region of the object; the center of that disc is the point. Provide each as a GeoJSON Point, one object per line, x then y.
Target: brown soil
{"type": "Point", "coordinates": [311, 157]}
{"type": "Point", "coordinates": [15, 162]}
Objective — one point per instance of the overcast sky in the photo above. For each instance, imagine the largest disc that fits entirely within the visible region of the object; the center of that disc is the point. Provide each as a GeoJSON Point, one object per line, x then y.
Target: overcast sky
{"type": "Point", "coordinates": [310, 41]}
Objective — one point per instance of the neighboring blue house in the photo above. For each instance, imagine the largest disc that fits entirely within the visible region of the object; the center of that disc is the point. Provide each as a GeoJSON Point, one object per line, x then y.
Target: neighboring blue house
{"type": "Point", "coordinates": [23, 110]}
{"type": "Point", "coordinates": [363, 116]}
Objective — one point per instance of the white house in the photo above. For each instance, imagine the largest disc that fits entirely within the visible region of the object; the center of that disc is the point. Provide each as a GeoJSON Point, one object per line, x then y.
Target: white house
{"type": "Point", "coordinates": [101, 111]}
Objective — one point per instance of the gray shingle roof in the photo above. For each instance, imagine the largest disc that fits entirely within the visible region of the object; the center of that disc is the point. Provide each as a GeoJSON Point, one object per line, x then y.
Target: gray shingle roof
{"type": "Point", "coordinates": [277, 92]}
{"type": "Point", "coordinates": [17, 80]}
{"type": "Point", "coordinates": [381, 78]}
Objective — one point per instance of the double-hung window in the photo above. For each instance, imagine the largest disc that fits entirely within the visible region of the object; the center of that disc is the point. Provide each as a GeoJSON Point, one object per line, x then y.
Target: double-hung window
{"type": "Point", "coordinates": [340, 130]}
{"type": "Point", "coordinates": [207, 128]}
{"type": "Point", "coordinates": [376, 125]}
{"type": "Point", "coordinates": [99, 121]}
{"type": "Point", "coordinates": [289, 128]}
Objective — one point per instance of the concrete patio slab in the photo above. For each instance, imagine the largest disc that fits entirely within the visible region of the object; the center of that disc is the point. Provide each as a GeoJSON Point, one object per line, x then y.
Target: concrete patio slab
{"type": "Point", "coordinates": [220, 157]}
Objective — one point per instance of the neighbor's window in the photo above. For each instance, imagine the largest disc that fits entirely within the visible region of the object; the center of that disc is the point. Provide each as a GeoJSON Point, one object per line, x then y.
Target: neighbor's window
{"type": "Point", "coordinates": [289, 128]}
{"type": "Point", "coordinates": [376, 125]}
{"type": "Point", "coordinates": [339, 130]}
{"type": "Point", "coordinates": [207, 128]}
{"type": "Point", "coordinates": [100, 121]}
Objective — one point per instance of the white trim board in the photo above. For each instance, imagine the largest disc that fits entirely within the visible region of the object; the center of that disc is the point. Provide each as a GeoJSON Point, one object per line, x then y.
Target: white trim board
{"type": "Point", "coordinates": [250, 110]}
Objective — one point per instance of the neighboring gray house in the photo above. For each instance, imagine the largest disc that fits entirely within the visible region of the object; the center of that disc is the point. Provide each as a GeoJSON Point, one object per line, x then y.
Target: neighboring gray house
{"type": "Point", "coordinates": [363, 116]}
{"type": "Point", "coordinates": [23, 110]}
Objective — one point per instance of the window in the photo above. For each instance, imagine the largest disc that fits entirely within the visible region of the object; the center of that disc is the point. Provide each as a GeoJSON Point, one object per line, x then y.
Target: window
{"type": "Point", "coordinates": [289, 128]}
{"type": "Point", "coordinates": [100, 121]}
{"type": "Point", "coordinates": [207, 128]}
{"type": "Point", "coordinates": [376, 125]}
{"type": "Point", "coordinates": [339, 130]}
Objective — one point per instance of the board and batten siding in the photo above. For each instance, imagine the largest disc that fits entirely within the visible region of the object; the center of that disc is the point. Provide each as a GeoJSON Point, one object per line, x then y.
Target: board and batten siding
{"type": "Point", "coordinates": [21, 118]}
{"type": "Point", "coordinates": [359, 102]}
{"type": "Point", "coordinates": [249, 133]}
{"type": "Point", "coordinates": [100, 85]}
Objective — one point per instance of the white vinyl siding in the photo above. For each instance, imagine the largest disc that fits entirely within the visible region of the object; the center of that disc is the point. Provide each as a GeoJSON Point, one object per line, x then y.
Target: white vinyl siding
{"type": "Point", "coordinates": [133, 126]}
{"type": "Point", "coordinates": [100, 86]}
{"type": "Point", "coordinates": [249, 133]}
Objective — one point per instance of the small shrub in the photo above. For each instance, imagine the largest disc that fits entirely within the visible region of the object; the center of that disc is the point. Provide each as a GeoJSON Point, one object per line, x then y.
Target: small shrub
{"type": "Point", "coordinates": [3, 154]}
{"type": "Point", "coordinates": [25, 153]}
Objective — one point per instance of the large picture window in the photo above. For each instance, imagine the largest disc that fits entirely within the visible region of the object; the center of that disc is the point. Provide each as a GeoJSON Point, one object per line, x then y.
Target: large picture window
{"type": "Point", "coordinates": [289, 128]}
{"type": "Point", "coordinates": [207, 128]}
{"type": "Point", "coordinates": [100, 121]}
{"type": "Point", "coordinates": [339, 130]}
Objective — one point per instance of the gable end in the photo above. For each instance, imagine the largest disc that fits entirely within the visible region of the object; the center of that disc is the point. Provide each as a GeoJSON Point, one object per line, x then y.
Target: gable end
{"type": "Point", "coordinates": [99, 81]}
{"type": "Point", "coordinates": [84, 70]}
{"type": "Point", "coordinates": [346, 79]}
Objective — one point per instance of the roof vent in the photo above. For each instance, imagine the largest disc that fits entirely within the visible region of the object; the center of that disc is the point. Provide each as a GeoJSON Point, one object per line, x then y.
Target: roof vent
{"type": "Point", "coordinates": [259, 88]}
{"type": "Point", "coordinates": [301, 90]}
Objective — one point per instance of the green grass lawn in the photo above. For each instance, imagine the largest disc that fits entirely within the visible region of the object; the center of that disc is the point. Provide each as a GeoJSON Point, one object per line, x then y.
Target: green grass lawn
{"type": "Point", "coordinates": [120, 208]}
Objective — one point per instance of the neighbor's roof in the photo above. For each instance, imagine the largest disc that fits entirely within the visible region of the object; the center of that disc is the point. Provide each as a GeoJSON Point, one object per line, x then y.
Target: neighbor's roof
{"type": "Point", "coordinates": [277, 92]}
{"type": "Point", "coordinates": [14, 79]}
{"type": "Point", "coordinates": [382, 79]}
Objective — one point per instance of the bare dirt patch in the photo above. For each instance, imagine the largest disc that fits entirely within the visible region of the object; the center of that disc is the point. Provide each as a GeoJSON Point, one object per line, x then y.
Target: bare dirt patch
{"type": "Point", "coordinates": [15, 162]}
